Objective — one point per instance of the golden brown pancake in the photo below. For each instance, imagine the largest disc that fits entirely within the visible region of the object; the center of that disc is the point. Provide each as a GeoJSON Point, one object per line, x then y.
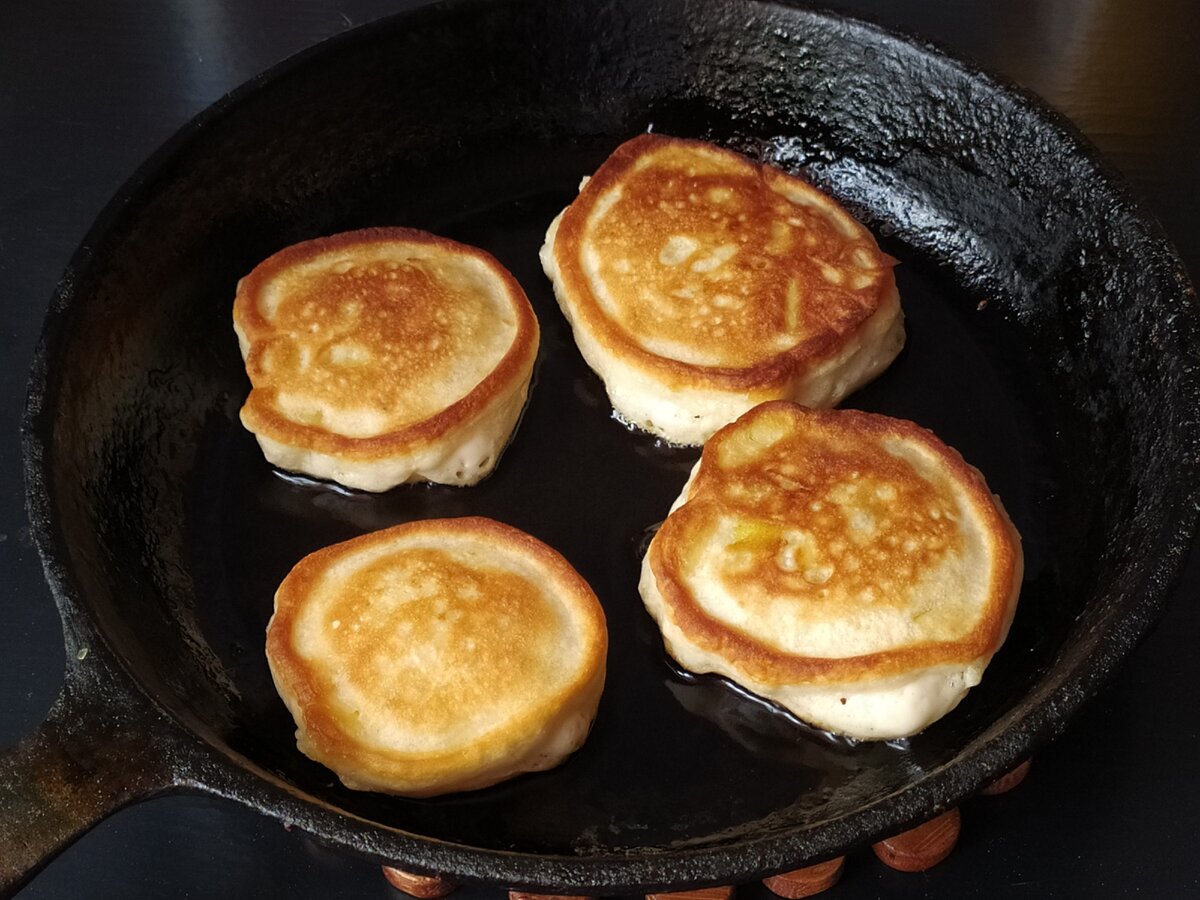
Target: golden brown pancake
{"type": "Point", "coordinates": [437, 656]}
{"type": "Point", "coordinates": [699, 283]}
{"type": "Point", "coordinates": [849, 566]}
{"type": "Point", "coordinates": [382, 356]}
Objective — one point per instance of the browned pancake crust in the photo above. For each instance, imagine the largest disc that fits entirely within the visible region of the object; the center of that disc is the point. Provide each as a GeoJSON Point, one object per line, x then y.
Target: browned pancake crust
{"type": "Point", "coordinates": [832, 446]}
{"type": "Point", "coordinates": [657, 207]}
{"type": "Point", "coordinates": [396, 328]}
{"type": "Point", "coordinates": [506, 594]}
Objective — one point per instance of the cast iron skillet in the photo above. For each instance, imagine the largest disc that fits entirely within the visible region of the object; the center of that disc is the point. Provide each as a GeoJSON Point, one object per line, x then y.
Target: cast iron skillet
{"type": "Point", "coordinates": [1053, 338]}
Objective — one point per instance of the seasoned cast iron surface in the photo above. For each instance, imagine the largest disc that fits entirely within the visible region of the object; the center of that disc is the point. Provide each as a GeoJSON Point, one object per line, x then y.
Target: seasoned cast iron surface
{"type": "Point", "coordinates": [1049, 343]}
{"type": "Point", "coordinates": [672, 761]}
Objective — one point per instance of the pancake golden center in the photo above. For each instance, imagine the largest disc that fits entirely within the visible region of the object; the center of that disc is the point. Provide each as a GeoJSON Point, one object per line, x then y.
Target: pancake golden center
{"type": "Point", "coordinates": [437, 656]}
{"type": "Point", "coordinates": [812, 524]}
{"type": "Point", "coordinates": [419, 648]}
{"type": "Point", "coordinates": [714, 264]}
{"type": "Point", "coordinates": [371, 343]}
{"type": "Point", "coordinates": [699, 283]}
{"type": "Point", "coordinates": [382, 356]}
{"type": "Point", "coordinates": [847, 565]}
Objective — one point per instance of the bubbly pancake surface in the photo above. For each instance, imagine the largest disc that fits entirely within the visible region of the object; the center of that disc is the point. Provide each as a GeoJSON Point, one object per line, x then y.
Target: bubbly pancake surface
{"type": "Point", "coordinates": [451, 674]}
{"type": "Point", "coordinates": [837, 552]}
{"type": "Point", "coordinates": [437, 656]}
{"type": "Point", "coordinates": [695, 267]}
{"type": "Point", "coordinates": [700, 257]}
{"type": "Point", "coordinates": [378, 342]}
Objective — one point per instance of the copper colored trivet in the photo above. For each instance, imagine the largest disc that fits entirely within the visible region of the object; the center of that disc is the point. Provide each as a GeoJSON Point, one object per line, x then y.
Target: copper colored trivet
{"type": "Point", "coordinates": [1007, 782]}
{"type": "Point", "coordinates": [713, 893]}
{"type": "Point", "coordinates": [922, 847]}
{"type": "Point", "coordinates": [423, 887]}
{"type": "Point", "coordinates": [914, 850]}
{"type": "Point", "coordinates": [808, 881]}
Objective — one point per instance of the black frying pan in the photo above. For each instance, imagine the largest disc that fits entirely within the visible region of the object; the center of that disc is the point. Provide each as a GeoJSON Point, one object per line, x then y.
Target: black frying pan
{"type": "Point", "coordinates": [1052, 340]}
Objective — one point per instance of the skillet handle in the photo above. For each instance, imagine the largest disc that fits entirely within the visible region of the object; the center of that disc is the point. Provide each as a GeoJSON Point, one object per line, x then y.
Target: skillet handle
{"type": "Point", "coordinates": [90, 757]}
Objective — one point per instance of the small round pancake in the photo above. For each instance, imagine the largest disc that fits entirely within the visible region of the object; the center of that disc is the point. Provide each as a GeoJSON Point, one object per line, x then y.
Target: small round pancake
{"type": "Point", "coordinates": [699, 284]}
{"type": "Point", "coordinates": [849, 566]}
{"type": "Point", "coordinates": [384, 356]}
{"type": "Point", "coordinates": [437, 656]}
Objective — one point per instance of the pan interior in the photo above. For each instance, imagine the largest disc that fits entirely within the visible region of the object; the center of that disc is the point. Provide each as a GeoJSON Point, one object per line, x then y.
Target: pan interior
{"type": "Point", "coordinates": [672, 759]}
{"type": "Point", "coordinates": [1019, 309]}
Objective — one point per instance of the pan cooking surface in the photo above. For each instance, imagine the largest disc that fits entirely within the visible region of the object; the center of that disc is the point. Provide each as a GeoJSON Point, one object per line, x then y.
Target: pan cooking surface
{"type": "Point", "coordinates": [673, 760]}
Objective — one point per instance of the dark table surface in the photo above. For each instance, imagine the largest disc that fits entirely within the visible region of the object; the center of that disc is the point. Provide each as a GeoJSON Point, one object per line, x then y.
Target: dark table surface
{"type": "Point", "coordinates": [1111, 809]}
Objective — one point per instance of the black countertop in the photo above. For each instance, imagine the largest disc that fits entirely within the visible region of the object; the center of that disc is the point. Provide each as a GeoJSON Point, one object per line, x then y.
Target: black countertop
{"type": "Point", "coordinates": [87, 91]}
